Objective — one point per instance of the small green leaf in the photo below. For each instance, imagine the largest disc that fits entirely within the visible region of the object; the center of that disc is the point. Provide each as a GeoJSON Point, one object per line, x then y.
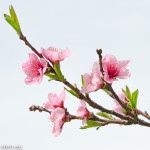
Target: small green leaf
{"type": "Point", "coordinates": [14, 17]}
{"type": "Point", "coordinates": [58, 71]}
{"type": "Point", "coordinates": [11, 22]}
{"type": "Point", "coordinates": [105, 115]}
{"type": "Point", "coordinates": [71, 92]}
{"type": "Point", "coordinates": [134, 98]}
{"type": "Point", "coordinates": [52, 76]}
{"type": "Point", "coordinates": [129, 93]}
{"type": "Point", "coordinates": [124, 91]}
{"type": "Point", "coordinates": [83, 83]}
{"type": "Point", "coordinates": [129, 106]}
{"type": "Point", "coordinates": [128, 96]}
{"type": "Point", "coordinates": [91, 124]}
{"type": "Point", "coordinates": [124, 111]}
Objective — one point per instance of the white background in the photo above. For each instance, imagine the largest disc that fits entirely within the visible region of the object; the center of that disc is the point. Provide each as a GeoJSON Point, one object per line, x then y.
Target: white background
{"type": "Point", "coordinates": [121, 28]}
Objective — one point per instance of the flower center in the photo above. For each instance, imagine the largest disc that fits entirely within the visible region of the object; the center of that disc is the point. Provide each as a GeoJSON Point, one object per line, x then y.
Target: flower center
{"type": "Point", "coordinates": [112, 70]}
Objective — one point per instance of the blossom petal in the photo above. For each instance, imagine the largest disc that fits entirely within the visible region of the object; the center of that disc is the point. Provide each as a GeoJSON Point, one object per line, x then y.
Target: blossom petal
{"type": "Point", "coordinates": [34, 58]}
{"type": "Point", "coordinates": [57, 117]}
{"type": "Point", "coordinates": [124, 74]}
{"type": "Point", "coordinates": [62, 96]}
{"type": "Point", "coordinates": [87, 78]}
{"type": "Point", "coordinates": [64, 54]}
{"type": "Point", "coordinates": [95, 68]}
{"type": "Point", "coordinates": [54, 100]}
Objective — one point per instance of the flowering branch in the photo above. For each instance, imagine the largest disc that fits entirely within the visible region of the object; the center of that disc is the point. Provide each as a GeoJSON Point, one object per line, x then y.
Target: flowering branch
{"type": "Point", "coordinates": [103, 122]}
{"type": "Point", "coordinates": [103, 74]}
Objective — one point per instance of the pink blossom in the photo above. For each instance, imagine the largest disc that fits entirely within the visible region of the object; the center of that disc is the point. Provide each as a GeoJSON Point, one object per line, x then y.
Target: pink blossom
{"type": "Point", "coordinates": [34, 69]}
{"type": "Point", "coordinates": [115, 69]}
{"type": "Point", "coordinates": [92, 81]}
{"type": "Point", "coordinates": [57, 117]}
{"type": "Point", "coordinates": [117, 106]}
{"type": "Point", "coordinates": [54, 101]}
{"type": "Point", "coordinates": [83, 112]}
{"type": "Point", "coordinates": [52, 54]}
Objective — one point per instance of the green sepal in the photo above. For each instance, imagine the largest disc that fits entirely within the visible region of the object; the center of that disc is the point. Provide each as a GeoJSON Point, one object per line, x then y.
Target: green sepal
{"type": "Point", "coordinates": [71, 92]}
{"type": "Point", "coordinates": [134, 99]}
{"type": "Point", "coordinates": [105, 115]}
{"type": "Point", "coordinates": [58, 71]}
{"type": "Point", "coordinates": [83, 83]}
{"type": "Point", "coordinates": [52, 76]}
{"type": "Point", "coordinates": [91, 124]}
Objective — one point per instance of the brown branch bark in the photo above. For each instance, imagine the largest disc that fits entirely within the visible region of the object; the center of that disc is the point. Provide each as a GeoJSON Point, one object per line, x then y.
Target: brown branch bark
{"type": "Point", "coordinates": [92, 117]}
{"type": "Point", "coordinates": [145, 114]}
{"type": "Point", "coordinates": [39, 108]}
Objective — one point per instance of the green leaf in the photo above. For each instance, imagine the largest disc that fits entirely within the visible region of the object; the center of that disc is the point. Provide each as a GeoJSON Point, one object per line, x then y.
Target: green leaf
{"type": "Point", "coordinates": [105, 115]}
{"type": "Point", "coordinates": [14, 17]}
{"type": "Point", "coordinates": [134, 98]}
{"type": "Point", "coordinates": [129, 106]}
{"type": "Point", "coordinates": [58, 71]}
{"type": "Point", "coordinates": [128, 96]}
{"type": "Point", "coordinates": [124, 111]}
{"type": "Point", "coordinates": [71, 92]}
{"type": "Point", "coordinates": [91, 124]}
{"type": "Point", "coordinates": [83, 83]}
{"type": "Point", "coordinates": [124, 91]}
{"type": "Point", "coordinates": [52, 76]}
{"type": "Point", "coordinates": [129, 93]}
{"type": "Point", "coordinates": [11, 22]}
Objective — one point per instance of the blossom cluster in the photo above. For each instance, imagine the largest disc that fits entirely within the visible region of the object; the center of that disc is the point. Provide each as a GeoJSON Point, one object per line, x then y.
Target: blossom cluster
{"type": "Point", "coordinates": [113, 69]}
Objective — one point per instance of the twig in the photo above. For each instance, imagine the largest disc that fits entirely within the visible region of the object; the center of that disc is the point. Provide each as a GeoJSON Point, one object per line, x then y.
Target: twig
{"type": "Point", "coordinates": [70, 117]}
{"type": "Point", "coordinates": [99, 52]}
{"type": "Point", "coordinates": [145, 114]}
{"type": "Point", "coordinates": [39, 108]}
{"type": "Point", "coordinates": [23, 38]}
